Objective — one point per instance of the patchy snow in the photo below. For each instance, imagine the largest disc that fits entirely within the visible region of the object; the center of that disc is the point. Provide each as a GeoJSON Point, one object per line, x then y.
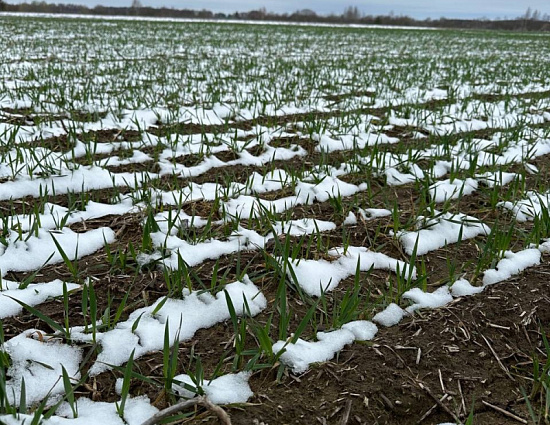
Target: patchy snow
{"type": "Point", "coordinates": [512, 264]}
{"type": "Point", "coordinates": [183, 317]}
{"type": "Point", "coordinates": [439, 298]}
{"type": "Point", "coordinates": [446, 190]}
{"type": "Point", "coordinates": [38, 360]}
{"type": "Point", "coordinates": [228, 131]}
{"type": "Point", "coordinates": [438, 232]}
{"type": "Point", "coordinates": [301, 354]}
{"type": "Point", "coordinates": [226, 389]}
{"type": "Point", "coordinates": [318, 276]}
{"type": "Point", "coordinates": [390, 316]}
{"type": "Point", "coordinates": [33, 294]}
{"type": "Point", "coordinates": [535, 205]}
{"type": "Point", "coordinates": [463, 288]}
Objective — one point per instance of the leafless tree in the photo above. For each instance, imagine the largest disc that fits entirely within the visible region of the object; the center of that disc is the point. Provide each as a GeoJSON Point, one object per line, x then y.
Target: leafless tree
{"type": "Point", "coordinates": [351, 13]}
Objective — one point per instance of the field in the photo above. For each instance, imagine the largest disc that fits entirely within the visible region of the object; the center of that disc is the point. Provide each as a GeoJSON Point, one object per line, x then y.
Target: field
{"type": "Point", "coordinates": [272, 224]}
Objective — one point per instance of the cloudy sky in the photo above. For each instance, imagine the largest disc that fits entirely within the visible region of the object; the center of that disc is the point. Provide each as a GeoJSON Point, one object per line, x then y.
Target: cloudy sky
{"type": "Point", "coordinates": [414, 8]}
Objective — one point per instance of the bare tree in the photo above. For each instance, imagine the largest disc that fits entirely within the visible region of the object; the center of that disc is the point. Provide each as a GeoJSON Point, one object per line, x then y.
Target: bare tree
{"type": "Point", "coordinates": [136, 4]}
{"type": "Point", "coordinates": [351, 13]}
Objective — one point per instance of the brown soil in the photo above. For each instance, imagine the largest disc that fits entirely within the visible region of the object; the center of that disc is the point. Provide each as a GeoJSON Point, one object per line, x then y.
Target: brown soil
{"type": "Point", "coordinates": [478, 350]}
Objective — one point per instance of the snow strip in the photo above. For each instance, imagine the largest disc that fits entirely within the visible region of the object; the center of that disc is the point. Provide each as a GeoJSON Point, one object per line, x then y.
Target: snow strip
{"type": "Point", "coordinates": [318, 276]}
{"type": "Point", "coordinates": [36, 251]}
{"type": "Point", "coordinates": [527, 209]}
{"type": "Point", "coordinates": [227, 389]}
{"type": "Point", "coordinates": [39, 361]}
{"type": "Point", "coordinates": [83, 179]}
{"type": "Point", "coordinates": [32, 295]}
{"type": "Point", "coordinates": [197, 310]}
{"type": "Point", "coordinates": [373, 213]}
{"type": "Point", "coordinates": [194, 253]}
{"type": "Point", "coordinates": [301, 354]}
{"type": "Point", "coordinates": [440, 297]}
{"type": "Point", "coordinates": [56, 216]}
{"type": "Point", "coordinates": [445, 190]}
{"type": "Point", "coordinates": [305, 194]}
{"type": "Point", "coordinates": [511, 264]}
{"type": "Point", "coordinates": [136, 411]}
{"type": "Point", "coordinates": [496, 179]}
{"type": "Point", "coordinates": [440, 231]}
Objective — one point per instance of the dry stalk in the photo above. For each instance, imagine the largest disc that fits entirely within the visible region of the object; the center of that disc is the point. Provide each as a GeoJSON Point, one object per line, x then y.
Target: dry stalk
{"type": "Point", "coordinates": [504, 412]}
{"type": "Point", "coordinates": [198, 401]}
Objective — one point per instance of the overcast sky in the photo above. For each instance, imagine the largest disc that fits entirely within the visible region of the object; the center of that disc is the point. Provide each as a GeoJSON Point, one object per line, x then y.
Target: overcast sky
{"type": "Point", "coordinates": [414, 8]}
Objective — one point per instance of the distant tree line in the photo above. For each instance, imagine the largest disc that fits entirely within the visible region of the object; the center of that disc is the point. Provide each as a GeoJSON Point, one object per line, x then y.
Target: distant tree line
{"type": "Point", "coordinates": [532, 20]}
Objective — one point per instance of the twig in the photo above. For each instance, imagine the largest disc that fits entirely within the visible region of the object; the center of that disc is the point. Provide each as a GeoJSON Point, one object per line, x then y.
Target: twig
{"type": "Point", "coordinates": [176, 408]}
{"type": "Point", "coordinates": [347, 412]}
{"type": "Point", "coordinates": [504, 412]}
{"type": "Point", "coordinates": [441, 382]}
{"type": "Point", "coordinates": [387, 401]}
{"type": "Point", "coordinates": [462, 398]}
{"type": "Point", "coordinates": [439, 402]}
{"type": "Point", "coordinates": [429, 412]}
{"type": "Point", "coordinates": [220, 413]}
{"type": "Point", "coordinates": [506, 371]}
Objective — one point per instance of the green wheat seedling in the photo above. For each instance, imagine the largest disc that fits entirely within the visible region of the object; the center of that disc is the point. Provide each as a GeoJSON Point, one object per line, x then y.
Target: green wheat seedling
{"type": "Point", "coordinates": [150, 226]}
{"type": "Point", "coordinates": [170, 358]}
{"type": "Point", "coordinates": [176, 280]}
{"type": "Point", "coordinates": [59, 329]}
{"type": "Point", "coordinates": [404, 276]}
{"type": "Point", "coordinates": [72, 265]}
{"type": "Point", "coordinates": [69, 392]}
{"type": "Point", "coordinates": [348, 309]}
{"type": "Point", "coordinates": [90, 309]}
{"type": "Point", "coordinates": [240, 328]}
{"type": "Point", "coordinates": [6, 407]}
{"type": "Point", "coordinates": [538, 400]}
{"type": "Point", "coordinates": [126, 380]}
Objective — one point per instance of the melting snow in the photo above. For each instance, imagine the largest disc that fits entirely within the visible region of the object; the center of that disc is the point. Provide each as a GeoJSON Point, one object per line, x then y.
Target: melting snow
{"type": "Point", "coordinates": [446, 229]}
{"type": "Point", "coordinates": [301, 354]}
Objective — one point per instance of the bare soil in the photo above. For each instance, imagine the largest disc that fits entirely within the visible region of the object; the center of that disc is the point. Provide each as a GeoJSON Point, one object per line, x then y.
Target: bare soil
{"type": "Point", "coordinates": [434, 367]}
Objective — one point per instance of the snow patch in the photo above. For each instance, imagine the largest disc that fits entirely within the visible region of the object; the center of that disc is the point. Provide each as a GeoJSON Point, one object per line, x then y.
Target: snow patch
{"type": "Point", "coordinates": [227, 389]}
{"type": "Point", "coordinates": [437, 232]}
{"type": "Point", "coordinates": [390, 316]}
{"type": "Point", "coordinates": [301, 354]}
{"type": "Point", "coordinates": [512, 264]}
